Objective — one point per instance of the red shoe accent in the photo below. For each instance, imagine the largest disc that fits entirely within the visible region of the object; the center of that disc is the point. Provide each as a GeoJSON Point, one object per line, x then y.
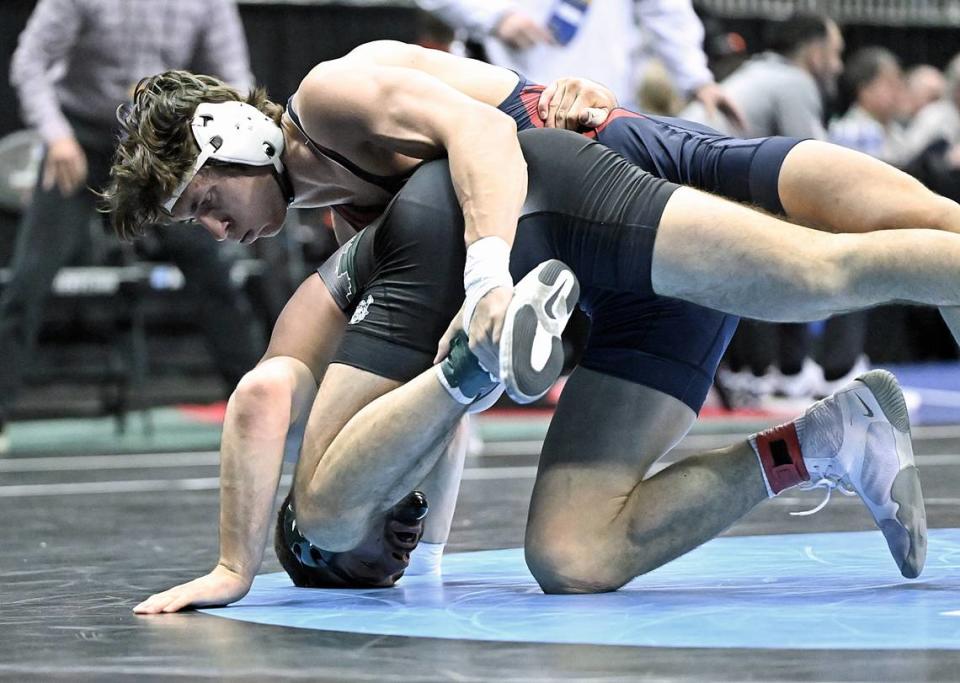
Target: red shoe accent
{"type": "Point", "coordinates": [779, 451]}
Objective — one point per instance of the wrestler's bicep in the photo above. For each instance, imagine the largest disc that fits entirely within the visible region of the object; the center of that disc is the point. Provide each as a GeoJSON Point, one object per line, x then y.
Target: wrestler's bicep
{"type": "Point", "coordinates": [366, 110]}
{"type": "Point", "coordinates": [309, 327]}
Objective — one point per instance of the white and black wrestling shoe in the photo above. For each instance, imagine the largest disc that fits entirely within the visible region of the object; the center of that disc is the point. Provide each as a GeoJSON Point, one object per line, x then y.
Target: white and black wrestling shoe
{"type": "Point", "coordinates": [858, 440]}
{"type": "Point", "coordinates": [531, 352]}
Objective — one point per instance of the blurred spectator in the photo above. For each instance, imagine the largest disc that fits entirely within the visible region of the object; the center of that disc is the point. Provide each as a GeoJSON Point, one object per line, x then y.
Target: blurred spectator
{"type": "Point", "coordinates": [875, 87]}
{"type": "Point", "coordinates": [656, 93]}
{"type": "Point", "coordinates": [550, 39]}
{"type": "Point", "coordinates": [781, 92]}
{"type": "Point", "coordinates": [925, 84]}
{"type": "Point", "coordinates": [939, 122]}
{"type": "Point", "coordinates": [75, 63]}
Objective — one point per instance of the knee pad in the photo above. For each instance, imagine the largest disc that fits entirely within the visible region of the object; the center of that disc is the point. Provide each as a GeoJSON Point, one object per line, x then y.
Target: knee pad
{"type": "Point", "coordinates": [377, 562]}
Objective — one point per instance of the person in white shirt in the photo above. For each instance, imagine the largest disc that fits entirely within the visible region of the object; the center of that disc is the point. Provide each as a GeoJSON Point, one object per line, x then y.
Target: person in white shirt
{"type": "Point", "coordinates": [549, 39]}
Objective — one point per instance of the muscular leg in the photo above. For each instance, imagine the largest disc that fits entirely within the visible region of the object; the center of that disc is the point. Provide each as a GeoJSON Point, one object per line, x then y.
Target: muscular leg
{"type": "Point", "coordinates": [595, 522]}
{"type": "Point", "coordinates": [362, 454]}
{"type": "Point", "coordinates": [724, 256]}
{"type": "Point", "coordinates": [840, 190]}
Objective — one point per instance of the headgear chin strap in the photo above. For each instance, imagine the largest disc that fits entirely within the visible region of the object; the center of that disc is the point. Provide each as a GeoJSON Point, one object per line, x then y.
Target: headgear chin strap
{"type": "Point", "coordinates": [233, 132]}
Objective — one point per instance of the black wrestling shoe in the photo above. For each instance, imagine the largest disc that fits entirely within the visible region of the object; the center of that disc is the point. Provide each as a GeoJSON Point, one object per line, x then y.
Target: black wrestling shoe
{"type": "Point", "coordinates": [467, 382]}
{"type": "Point", "coordinates": [411, 509]}
{"type": "Point", "coordinates": [531, 352]}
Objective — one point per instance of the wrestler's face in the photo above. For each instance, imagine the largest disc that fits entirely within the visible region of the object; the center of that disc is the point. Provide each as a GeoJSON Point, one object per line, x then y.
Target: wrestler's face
{"type": "Point", "coordinates": [239, 203]}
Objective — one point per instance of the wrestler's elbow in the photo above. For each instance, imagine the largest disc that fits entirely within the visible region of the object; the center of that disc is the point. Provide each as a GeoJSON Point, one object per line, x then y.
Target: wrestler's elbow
{"type": "Point", "coordinates": [477, 121]}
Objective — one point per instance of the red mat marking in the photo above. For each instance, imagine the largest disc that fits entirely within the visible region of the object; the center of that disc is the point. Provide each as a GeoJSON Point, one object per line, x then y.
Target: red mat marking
{"type": "Point", "coordinates": [211, 413]}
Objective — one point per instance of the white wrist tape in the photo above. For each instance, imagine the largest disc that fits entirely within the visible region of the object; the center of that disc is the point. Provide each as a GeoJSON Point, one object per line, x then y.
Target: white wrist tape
{"type": "Point", "coordinates": [426, 558]}
{"type": "Point", "coordinates": [487, 267]}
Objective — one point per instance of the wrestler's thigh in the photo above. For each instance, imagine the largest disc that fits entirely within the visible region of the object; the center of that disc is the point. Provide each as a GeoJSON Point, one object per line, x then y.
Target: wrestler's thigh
{"type": "Point", "coordinates": [833, 188]}
{"type": "Point", "coordinates": [344, 391]}
{"type": "Point", "coordinates": [605, 436]}
{"type": "Point", "coordinates": [728, 257]}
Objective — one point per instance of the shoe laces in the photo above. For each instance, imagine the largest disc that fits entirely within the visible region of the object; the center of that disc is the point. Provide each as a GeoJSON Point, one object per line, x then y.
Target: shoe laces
{"type": "Point", "coordinates": [828, 483]}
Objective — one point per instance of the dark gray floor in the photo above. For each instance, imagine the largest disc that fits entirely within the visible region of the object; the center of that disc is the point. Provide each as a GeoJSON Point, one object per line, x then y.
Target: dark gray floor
{"type": "Point", "coordinates": [76, 560]}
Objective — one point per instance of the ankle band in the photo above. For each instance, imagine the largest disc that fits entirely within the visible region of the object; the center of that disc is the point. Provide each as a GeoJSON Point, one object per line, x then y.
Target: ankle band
{"type": "Point", "coordinates": [782, 463]}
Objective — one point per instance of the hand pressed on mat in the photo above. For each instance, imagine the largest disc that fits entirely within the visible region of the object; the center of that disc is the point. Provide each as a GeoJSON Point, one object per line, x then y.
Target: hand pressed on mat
{"type": "Point", "coordinates": [221, 586]}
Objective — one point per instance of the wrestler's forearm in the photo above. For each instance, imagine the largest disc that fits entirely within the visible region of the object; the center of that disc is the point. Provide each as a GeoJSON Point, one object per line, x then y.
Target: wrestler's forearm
{"type": "Point", "coordinates": [269, 399]}
{"type": "Point", "coordinates": [489, 175]}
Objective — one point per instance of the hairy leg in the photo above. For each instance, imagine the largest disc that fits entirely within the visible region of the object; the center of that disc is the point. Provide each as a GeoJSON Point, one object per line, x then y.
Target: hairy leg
{"type": "Point", "coordinates": [725, 256]}
{"type": "Point", "coordinates": [837, 189]}
{"type": "Point", "coordinates": [363, 450]}
{"type": "Point", "coordinates": [595, 522]}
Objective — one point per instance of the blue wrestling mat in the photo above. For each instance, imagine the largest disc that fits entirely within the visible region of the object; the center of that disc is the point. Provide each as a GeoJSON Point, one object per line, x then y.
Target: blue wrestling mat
{"type": "Point", "coordinates": [806, 591]}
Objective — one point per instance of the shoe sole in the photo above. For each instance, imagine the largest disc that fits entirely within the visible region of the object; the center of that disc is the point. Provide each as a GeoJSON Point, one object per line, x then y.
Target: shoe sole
{"type": "Point", "coordinates": [536, 316]}
{"type": "Point", "coordinates": [906, 535]}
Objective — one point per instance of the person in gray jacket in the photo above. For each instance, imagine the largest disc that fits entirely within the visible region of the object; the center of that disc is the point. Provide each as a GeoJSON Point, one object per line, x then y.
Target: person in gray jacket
{"type": "Point", "coordinates": [75, 63]}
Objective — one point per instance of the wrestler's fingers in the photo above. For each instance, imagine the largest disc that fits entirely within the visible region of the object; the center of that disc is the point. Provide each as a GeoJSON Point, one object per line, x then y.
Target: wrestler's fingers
{"type": "Point", "coordinates": [593, 117]}
{"type": "Point", "coordinates": [77, 172]}
{"type": "Point", "coordinates": [486, 352]}
{"type": "Point", "coordinates": [568, 114]}
{"type": "Point", "coordinates": [443, 346]}
{"type": "Point", "coordinates": [178, 603]}
{"type": "Point", "coordinates": [555, 102]}
{"type": "Point", "coordinates": [151, 605]}
{"type": "Point", "coordinates": [161, 602]}
{"type": "Point", "coordinates": [543, 104]}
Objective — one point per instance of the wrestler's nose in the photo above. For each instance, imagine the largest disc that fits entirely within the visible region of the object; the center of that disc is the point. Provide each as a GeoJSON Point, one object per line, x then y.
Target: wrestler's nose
{"type": "Point", "coordinates": [215, 226]}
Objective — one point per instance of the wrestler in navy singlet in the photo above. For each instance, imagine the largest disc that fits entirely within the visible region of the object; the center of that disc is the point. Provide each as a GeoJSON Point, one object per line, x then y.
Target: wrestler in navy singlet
{"type": "Point", "coordinates": [400, 280]}
{"type": "Point", "coordinates": [403, 301]}
{"type": "Point", "coordinates": [683, 152]}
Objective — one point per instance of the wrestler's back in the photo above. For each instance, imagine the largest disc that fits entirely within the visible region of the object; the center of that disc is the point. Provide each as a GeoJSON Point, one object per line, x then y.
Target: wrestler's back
{"type": "Point", "coordinates": [579, 194]}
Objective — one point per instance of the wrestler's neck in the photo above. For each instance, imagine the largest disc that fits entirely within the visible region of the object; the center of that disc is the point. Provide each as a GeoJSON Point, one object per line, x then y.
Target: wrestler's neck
{"type": "Point", "coordinates": [320, 181]}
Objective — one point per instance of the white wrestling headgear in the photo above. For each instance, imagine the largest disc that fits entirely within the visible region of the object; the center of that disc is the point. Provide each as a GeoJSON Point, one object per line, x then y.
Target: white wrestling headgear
{"type": "Point", "coordinates": [235, 132]}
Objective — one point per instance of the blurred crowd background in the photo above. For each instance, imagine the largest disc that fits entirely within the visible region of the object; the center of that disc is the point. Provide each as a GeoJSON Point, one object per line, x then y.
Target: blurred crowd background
{"type": "Point", "coordinates": [89, 325]}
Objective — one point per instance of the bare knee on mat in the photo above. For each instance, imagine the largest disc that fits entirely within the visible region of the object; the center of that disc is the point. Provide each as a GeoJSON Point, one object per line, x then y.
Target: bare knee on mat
{"type": "Point", "coordinates": [572, 563]}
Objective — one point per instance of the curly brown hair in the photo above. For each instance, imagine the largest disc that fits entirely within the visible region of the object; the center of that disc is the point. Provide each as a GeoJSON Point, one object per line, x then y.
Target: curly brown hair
{"type": "Point", "coordinates": [156, 148]}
